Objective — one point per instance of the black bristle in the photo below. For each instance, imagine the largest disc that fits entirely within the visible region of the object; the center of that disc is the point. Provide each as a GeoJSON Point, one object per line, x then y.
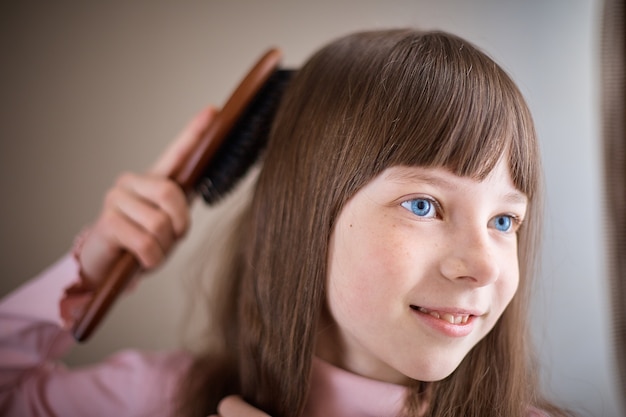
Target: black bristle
{"type": "Point", "coordinates": [243, 145]}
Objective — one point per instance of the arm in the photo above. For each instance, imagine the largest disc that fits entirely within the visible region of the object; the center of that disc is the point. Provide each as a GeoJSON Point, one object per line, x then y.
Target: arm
{"type": "Point", "coordinates": [144, 214]}
{"type": "Point", "coordinates": [33, 381]}
{"type": "Point", "coordinates": [30, 324]}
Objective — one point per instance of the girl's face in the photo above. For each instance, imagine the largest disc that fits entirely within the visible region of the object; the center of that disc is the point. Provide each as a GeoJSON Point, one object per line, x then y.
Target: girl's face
{"type": "Point", "coordinates": [422, 263]}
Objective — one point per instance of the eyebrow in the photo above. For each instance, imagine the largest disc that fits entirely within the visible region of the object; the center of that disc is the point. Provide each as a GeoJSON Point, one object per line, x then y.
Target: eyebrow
{"type": "Point", "coordinates": [403, 176]}
{"type": "Point", "coordinates": [516, 197]}
{"type": "Point", "coordinates": [513, 197]}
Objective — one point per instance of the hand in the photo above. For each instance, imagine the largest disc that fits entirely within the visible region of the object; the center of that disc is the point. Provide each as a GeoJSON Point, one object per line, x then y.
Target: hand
{"type": "Point", "coordinates": [143, 213]}
{"type": "Point", "coordinates": [235, 406]}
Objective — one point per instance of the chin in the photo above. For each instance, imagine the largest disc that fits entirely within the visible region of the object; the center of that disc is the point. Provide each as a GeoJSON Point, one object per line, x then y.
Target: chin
{"type": "Point", "coordinates": [433, 370]}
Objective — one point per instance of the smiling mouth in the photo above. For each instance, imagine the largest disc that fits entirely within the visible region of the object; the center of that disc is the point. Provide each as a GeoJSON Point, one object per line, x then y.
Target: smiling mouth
{"type": "Point", "coordinates": [458, 319]}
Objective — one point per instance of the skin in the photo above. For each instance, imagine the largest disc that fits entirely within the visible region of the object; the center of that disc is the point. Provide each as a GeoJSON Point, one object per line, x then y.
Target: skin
{"type": "Point", "coordinates": [387, 256]}
{"type": "Point", "coordinates": [235, 406]}
{"type": "Point", "coordinates": [146, 213]}
{"type": "Point", "coordinates": [391, 253]}
{"type": "Point", "coordinates": [143, 213]}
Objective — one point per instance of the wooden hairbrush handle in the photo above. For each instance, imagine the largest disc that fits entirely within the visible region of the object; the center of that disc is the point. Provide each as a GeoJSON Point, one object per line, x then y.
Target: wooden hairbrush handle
{"type": "Point", "coordinates": [186, 176]}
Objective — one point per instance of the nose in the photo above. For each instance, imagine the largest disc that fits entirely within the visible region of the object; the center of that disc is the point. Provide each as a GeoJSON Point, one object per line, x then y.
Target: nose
{"type": "Point", "coordinates": [470, 257]}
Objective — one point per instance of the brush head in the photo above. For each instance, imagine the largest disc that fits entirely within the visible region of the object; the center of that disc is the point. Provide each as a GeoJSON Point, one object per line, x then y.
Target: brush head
{"type": "Point", "coordinates": [245, 142]}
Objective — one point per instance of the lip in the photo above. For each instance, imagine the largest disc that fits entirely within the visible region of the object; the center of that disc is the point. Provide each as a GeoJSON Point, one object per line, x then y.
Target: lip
{"type": "Point", "coordinates": [445, 327]}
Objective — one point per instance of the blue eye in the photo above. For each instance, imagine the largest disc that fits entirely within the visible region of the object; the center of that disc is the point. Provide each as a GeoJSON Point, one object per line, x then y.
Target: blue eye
{"type": "Point", "coordinates": [421, 207]}
{"type": "Point", "coordinates": [503, 223]}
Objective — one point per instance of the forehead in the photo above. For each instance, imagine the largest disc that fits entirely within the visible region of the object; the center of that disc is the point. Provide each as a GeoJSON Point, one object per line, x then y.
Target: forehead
{"type": "Point", "coordinates": [499, 180]}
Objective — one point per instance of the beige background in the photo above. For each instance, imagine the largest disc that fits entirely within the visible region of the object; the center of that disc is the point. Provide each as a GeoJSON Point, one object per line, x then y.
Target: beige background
{"type": "Point", "coordinates": [87, 91]}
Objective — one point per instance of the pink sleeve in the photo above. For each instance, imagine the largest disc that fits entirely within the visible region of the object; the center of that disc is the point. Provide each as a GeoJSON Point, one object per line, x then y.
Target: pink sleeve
{"type": "Point", "coordinates": [34, 383]}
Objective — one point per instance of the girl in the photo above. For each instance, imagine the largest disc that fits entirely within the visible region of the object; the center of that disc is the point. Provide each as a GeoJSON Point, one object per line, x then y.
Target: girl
{"type": "Point", "coordinates": [383, 265]}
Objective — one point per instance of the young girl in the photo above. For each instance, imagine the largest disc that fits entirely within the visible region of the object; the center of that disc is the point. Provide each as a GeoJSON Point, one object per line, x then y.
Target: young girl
{"type": "Point", "coordinates": [382, 268]}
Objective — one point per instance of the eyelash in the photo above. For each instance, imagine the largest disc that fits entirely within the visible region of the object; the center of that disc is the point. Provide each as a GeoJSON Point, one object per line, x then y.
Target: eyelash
{"type": "Point", "coordinates": [435, 208]}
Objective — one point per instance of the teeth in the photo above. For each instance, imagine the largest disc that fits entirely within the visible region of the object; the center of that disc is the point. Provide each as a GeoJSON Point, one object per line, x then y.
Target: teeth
{"type": "Point", "coordinates": [450, 318]}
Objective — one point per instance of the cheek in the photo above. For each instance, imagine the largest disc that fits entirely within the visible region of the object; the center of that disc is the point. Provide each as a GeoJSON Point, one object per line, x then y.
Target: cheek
{"type": "Point", "coordinates": [507, 286]}
{"type": "Point", "coordinates": [365, 268]}
{"type": "Point", "coordinates": [350, 276]}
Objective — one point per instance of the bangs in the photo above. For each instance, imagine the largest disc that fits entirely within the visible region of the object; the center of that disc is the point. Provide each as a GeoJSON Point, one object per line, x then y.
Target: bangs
{"type": "Point", "coordinates": [450, 106]}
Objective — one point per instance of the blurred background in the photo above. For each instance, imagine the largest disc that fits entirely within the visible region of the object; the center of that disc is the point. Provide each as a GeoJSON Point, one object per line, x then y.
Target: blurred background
{"type": "Point", "coordinates": [88, 90]}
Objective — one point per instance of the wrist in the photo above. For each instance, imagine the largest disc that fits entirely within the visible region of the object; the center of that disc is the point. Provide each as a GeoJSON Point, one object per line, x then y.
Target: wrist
{"type": "Point", "coordinates": [77, 249]}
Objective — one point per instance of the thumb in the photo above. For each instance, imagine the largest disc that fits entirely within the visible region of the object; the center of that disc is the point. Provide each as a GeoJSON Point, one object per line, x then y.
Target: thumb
{"type": "Point", "coordinates": [235, 406]}
{"type": "Point", "coordinates": [179, 150]}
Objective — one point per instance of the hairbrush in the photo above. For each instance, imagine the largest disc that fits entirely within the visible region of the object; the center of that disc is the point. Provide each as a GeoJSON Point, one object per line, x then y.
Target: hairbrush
{"type": "Point", "coordinates": [229, 147]}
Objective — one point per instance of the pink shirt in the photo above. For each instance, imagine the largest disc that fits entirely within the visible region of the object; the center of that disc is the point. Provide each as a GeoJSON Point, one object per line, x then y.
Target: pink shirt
{"type": "Point", "coordinates": [33, 381]}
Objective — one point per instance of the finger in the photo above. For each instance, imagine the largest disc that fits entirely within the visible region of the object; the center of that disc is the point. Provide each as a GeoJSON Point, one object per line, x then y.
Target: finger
{"type": "Point", "coordinates": [145, 215]}
{"type": "Point", "coordinates": [122, 232]}
{"type": "Point", "coordinates": [179, 150]}
{"type": "Point", "coordinates": [235, 406]}
{"type": "Point", "coordinates": [165, 196]}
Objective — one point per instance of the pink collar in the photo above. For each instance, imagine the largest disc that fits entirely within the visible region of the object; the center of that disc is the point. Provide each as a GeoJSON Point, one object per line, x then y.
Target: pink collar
{"type": "Point", "coordinates": [336, 392]}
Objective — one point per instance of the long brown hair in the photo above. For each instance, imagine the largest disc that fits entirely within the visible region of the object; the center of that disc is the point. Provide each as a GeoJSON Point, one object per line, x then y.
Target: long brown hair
{"type": "Point", "coordinates": [363, 103]}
